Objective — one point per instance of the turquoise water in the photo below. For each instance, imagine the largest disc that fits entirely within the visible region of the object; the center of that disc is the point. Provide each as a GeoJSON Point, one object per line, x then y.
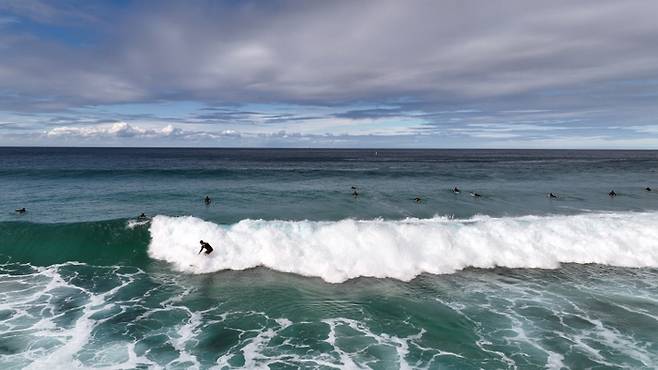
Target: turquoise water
{"type": "Point", "coordinates": [304, 275]}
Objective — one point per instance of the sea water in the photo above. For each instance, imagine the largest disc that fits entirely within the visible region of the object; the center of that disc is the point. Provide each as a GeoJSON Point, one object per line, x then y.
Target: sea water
{"type": "Point", "coordinates": [306, 275]}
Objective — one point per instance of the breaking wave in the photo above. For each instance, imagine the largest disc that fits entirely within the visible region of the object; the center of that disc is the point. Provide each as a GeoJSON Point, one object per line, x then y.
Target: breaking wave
{"type": "Point", "coordinates": [340, 250]}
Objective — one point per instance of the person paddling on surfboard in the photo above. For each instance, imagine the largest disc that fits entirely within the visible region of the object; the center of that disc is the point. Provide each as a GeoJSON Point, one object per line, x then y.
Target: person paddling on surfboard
{"type": "Point", "coordinates": [205, 246]}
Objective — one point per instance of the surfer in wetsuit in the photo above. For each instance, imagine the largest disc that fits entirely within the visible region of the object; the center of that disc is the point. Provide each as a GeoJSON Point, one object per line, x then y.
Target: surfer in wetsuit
{"type": "Point", "coordinates": [21, 210]}
{"type": "Point", "coordinates": [207, 200]}
{"type": "Point", "coordinates": [418, 200]}
{"type": "Point", "coordinates": [355, 193]}
{"type": "Point", "coordinates": [142, 217]}
{"type": "Point", "coordinates": [205, 246]}
{"type": "Point", "coordinates": [552, 196]}
{"type": "Point", "coordinates": [456, 190]}
{"type": "Point", "coordinates": [612, 194]}
{"type": "Point", "coordinates": [647, 188]}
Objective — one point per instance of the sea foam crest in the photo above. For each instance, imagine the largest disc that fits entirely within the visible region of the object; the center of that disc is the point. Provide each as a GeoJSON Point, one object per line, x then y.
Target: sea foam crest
{"type": "Point", "coordinates": [341, 250]}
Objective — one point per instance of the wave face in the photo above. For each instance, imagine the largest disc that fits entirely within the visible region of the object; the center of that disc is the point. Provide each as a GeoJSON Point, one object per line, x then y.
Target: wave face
{"type": "Point", "coordinates": [98, 243]}
{"type": "Point", "coordinates": [342, 250]}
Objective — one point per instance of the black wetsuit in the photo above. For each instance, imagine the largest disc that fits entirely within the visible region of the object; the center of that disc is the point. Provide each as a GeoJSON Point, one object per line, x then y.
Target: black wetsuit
{"type": "Point", "coordinates": [207, 247]}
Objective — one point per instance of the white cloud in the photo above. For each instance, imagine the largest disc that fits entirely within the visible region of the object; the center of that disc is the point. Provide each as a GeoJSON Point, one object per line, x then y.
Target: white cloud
{"type": "Point", "coordinates": [648, 129]}
{"type": "Point", "coordinates": [117, 129]}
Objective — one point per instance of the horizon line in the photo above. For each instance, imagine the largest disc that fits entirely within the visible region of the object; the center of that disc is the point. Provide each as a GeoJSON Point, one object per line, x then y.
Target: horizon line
{"type": "Point", "coordinates": [313, 148]}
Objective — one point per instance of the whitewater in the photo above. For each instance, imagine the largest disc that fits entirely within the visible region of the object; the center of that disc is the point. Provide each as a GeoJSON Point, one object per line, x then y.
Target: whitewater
{"type": "Point", "coordinates": [337, 251]}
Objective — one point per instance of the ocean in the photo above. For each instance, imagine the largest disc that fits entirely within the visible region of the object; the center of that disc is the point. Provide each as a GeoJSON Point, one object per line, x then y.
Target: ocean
{"type": "Point", "coordinates": [306, 275]}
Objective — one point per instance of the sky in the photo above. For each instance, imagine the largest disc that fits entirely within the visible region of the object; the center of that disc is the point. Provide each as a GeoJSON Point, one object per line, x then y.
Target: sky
{"type": "Point", "coordinates": [398, 74]}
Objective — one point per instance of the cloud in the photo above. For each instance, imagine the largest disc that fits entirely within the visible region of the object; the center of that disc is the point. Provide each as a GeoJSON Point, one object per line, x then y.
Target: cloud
{"type": "Point", "coordinates": [42, 11]}
{"type": "Point", "coordinates": [5, 21]}
{"type": "Point", "coordinates": [648, 129]}
{"type": "Point", "coordinates": [473, 136]}
{"type": "Point", "coordinates": [117, 129]}
{"type": "Point", "coordinates": [125, 130]}
{"type": "Point", "coordinates": [373, 113]}
{"type": "Point", "coordinates": [341, 51]}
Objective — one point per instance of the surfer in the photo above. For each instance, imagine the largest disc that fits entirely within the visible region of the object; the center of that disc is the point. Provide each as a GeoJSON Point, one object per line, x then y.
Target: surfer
{"type": "Point", "coordinates": [355, 193]}
{"type": "Point", "coordinates": [142, 217]}
{"type": "Point", "coordinates": [207, 200]}
{"type": "Point", "coordinates": [612, 194]}
{"type": "Point", "coordinates": [475, 195]}
{"type": "Point", "coordinates": [456, 190]}
{"type": "Point", "coordinates": [552, 196]}
{"type": "Point", "coordinates": [21, 210]}
{"type": "Point", "coordinates": [647, 188]}
{"type": "Point", "coordinates": [418, 200]}
{"type": "Point", "coordinates": [205, 246]}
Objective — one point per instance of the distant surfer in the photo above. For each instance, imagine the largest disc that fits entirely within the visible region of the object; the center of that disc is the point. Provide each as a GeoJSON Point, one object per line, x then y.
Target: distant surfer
{"type": "Point", "coordinates": [647, 188]}
{"type": "Point", "coordinates": [456, 190]}
{"type": "Point", "coordinates": [552, 196]}
{"type": "Point", "coordinates": [612, 194]}
{"type": "Point", "coordinates": [205, 246]}
{"type": "Point", "coordinates": [207, 200]}
{"type": "Point", "coordinates": [355, 193]}
{"type": "Point", "coordinates": [418, 200]}
{"type": "Point", "coordinates": [142, 217]}
{"type": "Point", "coordinates": [21, 210]}
{"type": "Point", "coordinates": [476, 195]}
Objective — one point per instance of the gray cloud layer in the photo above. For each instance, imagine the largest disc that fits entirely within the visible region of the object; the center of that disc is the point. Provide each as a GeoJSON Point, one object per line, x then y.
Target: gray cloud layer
{"type": "Point", "coordinates": [324, 52]}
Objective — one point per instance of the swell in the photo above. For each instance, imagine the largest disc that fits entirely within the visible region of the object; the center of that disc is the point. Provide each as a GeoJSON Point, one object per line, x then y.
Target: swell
{"type": "Point", "coordinates": [340, 250]}
{"type": "Point", "coordinates": [98, 243]}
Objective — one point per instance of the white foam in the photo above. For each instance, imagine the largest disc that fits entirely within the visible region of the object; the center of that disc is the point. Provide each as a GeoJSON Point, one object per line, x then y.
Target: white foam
{"type": "Point", "coordinates": [131, 224]}
{"type": "Point", "coordinates": [341, 250]}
